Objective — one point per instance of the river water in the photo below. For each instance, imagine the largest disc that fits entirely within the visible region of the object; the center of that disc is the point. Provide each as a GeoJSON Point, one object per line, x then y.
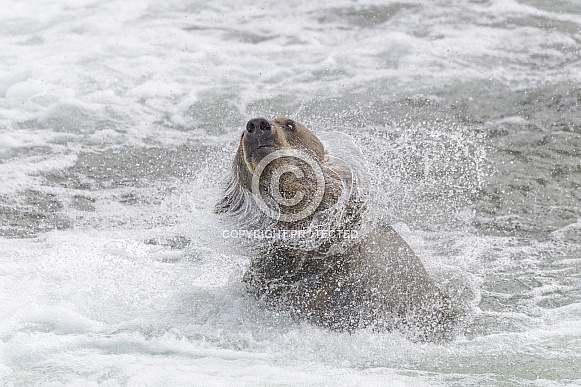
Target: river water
{"type": "Point", "coordinates": [118, 123]}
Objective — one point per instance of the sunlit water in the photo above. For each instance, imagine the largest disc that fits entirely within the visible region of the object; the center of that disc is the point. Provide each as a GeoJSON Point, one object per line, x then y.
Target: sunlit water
{"type": "Point", "coordinates": [118, 122]}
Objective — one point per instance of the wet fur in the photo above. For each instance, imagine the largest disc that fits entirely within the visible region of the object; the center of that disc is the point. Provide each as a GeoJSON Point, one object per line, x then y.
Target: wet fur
{"type": "Point", "coordinates": [373, 281]}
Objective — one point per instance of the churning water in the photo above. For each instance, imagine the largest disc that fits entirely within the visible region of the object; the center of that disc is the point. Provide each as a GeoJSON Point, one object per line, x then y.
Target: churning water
{"type": "Point", "coordinates": [118, 122]}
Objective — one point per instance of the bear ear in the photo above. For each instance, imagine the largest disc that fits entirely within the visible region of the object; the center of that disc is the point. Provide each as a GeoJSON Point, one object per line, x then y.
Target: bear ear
{"type": "Point", "coordinates": [289, 124]}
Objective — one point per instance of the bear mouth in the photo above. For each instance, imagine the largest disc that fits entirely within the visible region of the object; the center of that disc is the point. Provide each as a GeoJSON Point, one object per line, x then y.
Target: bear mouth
{"type": "Point", "coordinates": [264, 146]}
{"type": "Point", "coordinates": [260, 152]}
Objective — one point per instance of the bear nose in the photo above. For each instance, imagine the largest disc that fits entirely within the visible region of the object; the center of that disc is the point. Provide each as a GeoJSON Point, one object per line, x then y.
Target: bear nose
{"type": "Point", "coordinates": [258, 126]}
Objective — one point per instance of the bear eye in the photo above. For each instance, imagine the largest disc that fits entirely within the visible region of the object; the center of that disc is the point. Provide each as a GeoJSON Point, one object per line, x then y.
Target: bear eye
{"type": "Point", "coordinates": [289, 124]}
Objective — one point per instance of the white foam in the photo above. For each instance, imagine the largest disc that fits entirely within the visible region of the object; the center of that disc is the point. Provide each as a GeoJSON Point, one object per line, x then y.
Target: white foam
{"type": "Point", "coordinates": [17, 175]}
{"type": "Point", "coordinates": [95, 304]}
{"type": "Point", "coordinates": [25, 90]}
{"type": "Point", "coordinates": [11, 79]}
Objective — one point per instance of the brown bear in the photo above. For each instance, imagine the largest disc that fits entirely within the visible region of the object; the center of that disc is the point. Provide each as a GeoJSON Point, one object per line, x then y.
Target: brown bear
{"type": "Point", "coordinates": [318, 257]}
